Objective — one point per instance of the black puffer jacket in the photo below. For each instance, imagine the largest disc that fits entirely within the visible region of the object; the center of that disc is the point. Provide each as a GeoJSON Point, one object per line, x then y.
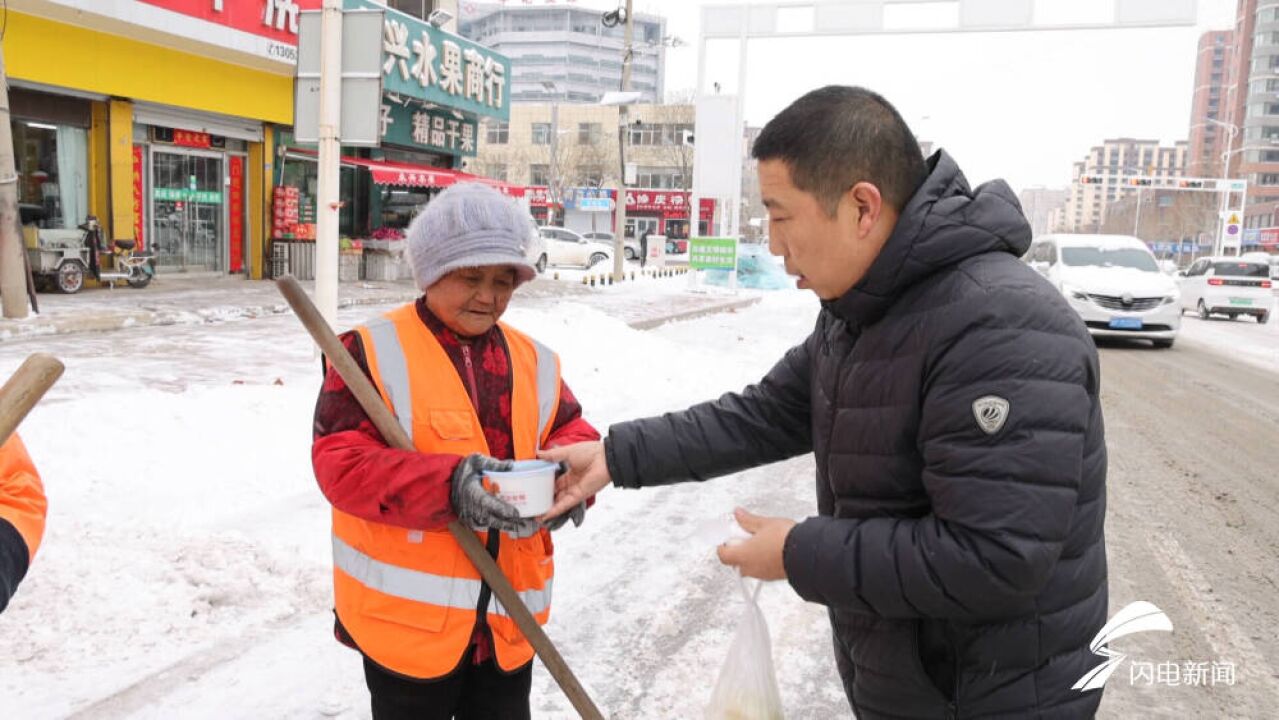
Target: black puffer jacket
{"type": "Point", "coordinates": [964, 570]}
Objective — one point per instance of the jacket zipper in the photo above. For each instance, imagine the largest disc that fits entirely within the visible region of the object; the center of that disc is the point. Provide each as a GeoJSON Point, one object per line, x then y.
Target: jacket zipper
{"type": "Point", "coordinates": [470, 376]}
{"type": "Point", "coordinates": [952, 709]}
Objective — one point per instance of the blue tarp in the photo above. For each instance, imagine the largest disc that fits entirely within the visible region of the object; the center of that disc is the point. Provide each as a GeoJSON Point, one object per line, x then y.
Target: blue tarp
{"type": "Point", "coordinates": [757, 269]}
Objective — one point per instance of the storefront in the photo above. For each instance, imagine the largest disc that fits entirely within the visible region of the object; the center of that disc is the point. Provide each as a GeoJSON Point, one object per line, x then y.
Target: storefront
{"type": "Point", "coordinates": [663, 212]}
{"type": "Point", "coordinates": [191, 170]}
{"type": "Point", "coordinates": [51, 157]}
{"type": "Point", "coordinates": [584, 209]}
{"type": "Point", "coordinates": [167, 140]}
{"type": "Point", "coordinates": [436, 88]}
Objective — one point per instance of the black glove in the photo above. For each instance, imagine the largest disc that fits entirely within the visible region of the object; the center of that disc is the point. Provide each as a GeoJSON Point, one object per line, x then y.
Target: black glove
{"type": "Point", "coordinates": [478, 508]}
{"type": "Point", "coordinates": [577, 515]}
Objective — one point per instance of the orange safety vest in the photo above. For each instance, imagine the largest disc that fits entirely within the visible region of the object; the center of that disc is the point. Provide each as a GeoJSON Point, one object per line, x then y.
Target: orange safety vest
{"type": "Point", "coordinates": [22, 500]}
{"type": "Point", "coordinates": [409, 598]}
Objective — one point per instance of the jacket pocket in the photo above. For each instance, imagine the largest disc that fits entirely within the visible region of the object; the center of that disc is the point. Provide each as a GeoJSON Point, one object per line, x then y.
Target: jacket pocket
{"type": "Point", "coordinates": [453, 424]}
{"type": "Point", "coordinates": [418, 599]}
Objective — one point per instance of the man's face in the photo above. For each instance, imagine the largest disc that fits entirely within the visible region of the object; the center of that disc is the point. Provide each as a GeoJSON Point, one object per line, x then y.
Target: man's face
{"type": "Point", "coordinates": [828, 254]}
{"type": "Point", "coordinates": [470, 301]}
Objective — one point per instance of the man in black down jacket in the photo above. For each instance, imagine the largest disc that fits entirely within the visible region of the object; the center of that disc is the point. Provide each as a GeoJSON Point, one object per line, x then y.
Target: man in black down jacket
{"type": "Point", "coordinates": [951, 399]}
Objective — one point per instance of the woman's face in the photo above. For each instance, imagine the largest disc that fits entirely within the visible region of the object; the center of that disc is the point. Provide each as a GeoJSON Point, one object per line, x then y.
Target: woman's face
{"type": "Point", "coordinates": [470, 301]}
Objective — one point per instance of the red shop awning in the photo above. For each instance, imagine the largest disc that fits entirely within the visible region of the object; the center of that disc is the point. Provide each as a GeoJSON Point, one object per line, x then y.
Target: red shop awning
{"type": "Point", "coordinates": [388, 172]}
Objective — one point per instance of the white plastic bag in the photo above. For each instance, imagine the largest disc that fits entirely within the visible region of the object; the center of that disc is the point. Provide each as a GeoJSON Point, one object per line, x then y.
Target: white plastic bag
{"type": "Point", "coordinates": [747, 685]}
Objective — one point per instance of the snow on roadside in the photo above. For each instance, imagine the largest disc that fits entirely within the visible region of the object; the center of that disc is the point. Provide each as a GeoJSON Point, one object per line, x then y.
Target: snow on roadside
{"type": "Point", "coordinates": [184, 516]}
{"type": "Point", "coordinates": [1243, 339]}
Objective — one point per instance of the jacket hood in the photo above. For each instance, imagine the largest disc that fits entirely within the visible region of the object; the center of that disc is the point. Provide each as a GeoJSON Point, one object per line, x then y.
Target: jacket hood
{"type": "Point", "coordinates": [944, 223]}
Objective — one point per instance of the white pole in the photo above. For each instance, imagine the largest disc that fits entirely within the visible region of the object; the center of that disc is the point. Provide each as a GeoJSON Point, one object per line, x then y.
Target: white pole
{"type": "Point", "coordinates": [623, 132]}
{"type": "Point", "coordinates": [739, 128]}
{"type": "Point", "coordinates": [326, 238]}
{"type": "Point", "coordinates": [695, 197]}
{"type": "Point", "coordinates": [1136, 223]}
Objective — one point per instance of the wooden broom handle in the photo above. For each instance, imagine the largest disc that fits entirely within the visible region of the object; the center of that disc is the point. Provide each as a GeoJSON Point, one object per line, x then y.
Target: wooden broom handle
{"type": "Point", "coordinates": [24, 389]}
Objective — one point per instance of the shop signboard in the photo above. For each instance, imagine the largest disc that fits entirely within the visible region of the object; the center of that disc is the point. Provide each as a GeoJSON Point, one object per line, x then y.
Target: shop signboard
{"type": "Point", "coordinates": [206, 197]}
{"type": "Point", "coordinates": [424, 62]}
{"type": "Point", "coordinates": [274, 21]}
{"type": "Point", "coordinates": [705, 253]}
{"type": "Point", "coordinates": [432, 129]}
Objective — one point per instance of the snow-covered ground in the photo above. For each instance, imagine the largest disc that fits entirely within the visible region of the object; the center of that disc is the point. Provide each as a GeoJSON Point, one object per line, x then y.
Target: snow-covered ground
{"type": "Point", "coordinates": [1244, 339]}
{"type": "Point", "coordinates": [185, 570]}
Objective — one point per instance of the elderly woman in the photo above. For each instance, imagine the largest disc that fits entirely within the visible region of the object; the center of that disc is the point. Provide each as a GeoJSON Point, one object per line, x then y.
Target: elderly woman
{"type": "Point", "coordinates": [473, 394]}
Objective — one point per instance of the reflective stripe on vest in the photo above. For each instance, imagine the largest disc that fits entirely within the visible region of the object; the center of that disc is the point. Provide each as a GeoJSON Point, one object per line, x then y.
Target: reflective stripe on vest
{"type": "Point", "coordinates": [548, 386]}
{"type": "Point", "coordinates": [439, 590]}
{"type": "Point", "coordinates": [394, 370]}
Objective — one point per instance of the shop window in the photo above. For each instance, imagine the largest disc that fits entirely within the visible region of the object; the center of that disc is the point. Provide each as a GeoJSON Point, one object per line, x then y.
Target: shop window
{"type": "Point", "coordinates": [401, 204]}
{"type": "Point", "coordinates": [52, 166]}
{"type": "Point", "coordinates": [354, 189]}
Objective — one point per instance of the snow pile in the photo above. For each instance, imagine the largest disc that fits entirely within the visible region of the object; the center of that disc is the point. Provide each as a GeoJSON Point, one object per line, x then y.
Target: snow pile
{"type": "Point", "coordinates": [186, 567]}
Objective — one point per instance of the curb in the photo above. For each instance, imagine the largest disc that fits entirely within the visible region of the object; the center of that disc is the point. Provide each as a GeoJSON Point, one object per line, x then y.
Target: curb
{"type": "Point", "coordinates": [729, 306]}
{"type": "Point", "coordinates": [119, 320]}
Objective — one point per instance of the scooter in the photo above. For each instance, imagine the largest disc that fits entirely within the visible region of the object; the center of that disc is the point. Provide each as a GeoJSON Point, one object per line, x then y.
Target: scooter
{"type": "Point", "coordinates": [135, 268]}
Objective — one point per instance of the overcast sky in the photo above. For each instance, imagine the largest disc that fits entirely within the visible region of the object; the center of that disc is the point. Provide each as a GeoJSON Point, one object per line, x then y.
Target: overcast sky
{"type": "Point", "coordinates": [1021, 106]}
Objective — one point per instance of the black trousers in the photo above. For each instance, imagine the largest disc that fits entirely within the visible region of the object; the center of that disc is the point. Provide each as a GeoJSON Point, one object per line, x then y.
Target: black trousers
{"type": "Point", "coordinates": [471, 692]}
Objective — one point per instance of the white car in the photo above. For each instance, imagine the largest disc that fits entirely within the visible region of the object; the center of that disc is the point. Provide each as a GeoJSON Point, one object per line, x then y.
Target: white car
{"type": "Point", "coordinates": [1227, 286]}
{"type": "Point", "coordinates": [630, 246]}
{"type": "Point", "coordinates": [565, 247]}
{"type": "Point", "coordinates": [535, 251]}
{"type": "Point", "coordinates": [1114, 283]}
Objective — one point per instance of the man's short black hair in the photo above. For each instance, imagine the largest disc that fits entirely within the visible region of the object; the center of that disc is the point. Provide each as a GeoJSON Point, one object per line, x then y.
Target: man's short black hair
{"type": "Point", "coordinates": [838, 136]}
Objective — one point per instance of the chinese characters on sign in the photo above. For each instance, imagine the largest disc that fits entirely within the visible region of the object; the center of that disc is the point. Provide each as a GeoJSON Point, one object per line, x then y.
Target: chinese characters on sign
{"type": "Point", "coordinates": [189, 138]}
{"type": "Point", "coordinates": [235, 214]}
{"type": "Point", "coordinates": [426, 63]}
{"type": "Point", "coordinates": [137, 196]}
{"type": "Point", "coordinates": [712, 253]}
{"type": "Point", "coordinates": [433, 129]}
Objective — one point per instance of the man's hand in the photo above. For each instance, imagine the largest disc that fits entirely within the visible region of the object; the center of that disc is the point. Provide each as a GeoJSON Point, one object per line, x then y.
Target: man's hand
{"type": "Point", "coordinates": [587, 474]}
{"type": "Point", "coordinates": [760, 555]}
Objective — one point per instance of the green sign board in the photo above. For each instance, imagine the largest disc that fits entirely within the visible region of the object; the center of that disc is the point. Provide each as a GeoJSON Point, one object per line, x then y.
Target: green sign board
{"type": "Point", "coordinates": [712, 253]}
{"type": "Point", "coordinates": [208, 197]}
{"type": "Point", "coordinates": [433, 129]}
{"type": "Point", "coordinates": [421, 61]}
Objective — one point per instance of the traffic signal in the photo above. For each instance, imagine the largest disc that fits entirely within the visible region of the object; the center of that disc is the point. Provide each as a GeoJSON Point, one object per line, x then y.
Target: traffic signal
{"type": "Point", "coordinates": [1139, 182]}
{"type": "Point", "coordinates": [1091, 179]}
{"type": "Point", "coordinates": [687, 137]}
{"type": "Point", "coordinates": [1191, 184]}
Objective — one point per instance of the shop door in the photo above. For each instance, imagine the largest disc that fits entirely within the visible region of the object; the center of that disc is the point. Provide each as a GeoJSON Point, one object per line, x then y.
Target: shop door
{"type": "Point", "coordinates": [637, 226]}
{"type": "Point", "coordinates": [188, 210]}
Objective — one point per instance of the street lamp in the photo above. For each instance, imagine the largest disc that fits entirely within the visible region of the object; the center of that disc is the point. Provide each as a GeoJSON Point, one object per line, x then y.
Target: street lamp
{"type": "Point", "coordinates": [554, 91]}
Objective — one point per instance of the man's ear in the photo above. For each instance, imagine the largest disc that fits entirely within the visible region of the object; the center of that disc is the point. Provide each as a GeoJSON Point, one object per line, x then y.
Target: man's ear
{"type": "Point", "coordinates": [865, 200]}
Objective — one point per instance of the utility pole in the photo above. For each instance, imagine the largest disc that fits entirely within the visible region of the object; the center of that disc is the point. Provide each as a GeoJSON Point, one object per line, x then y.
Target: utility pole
{"type": "Point", "coordinates": [13, 276]}
{"type": "Point", "coordinates": [623, 127]}
{"type": "Point", "coordinates": [1136, 223]}
{"type": "Point", "coordinates": [555, 162]}
{"type": "Point", "coordinates": [330, 151]}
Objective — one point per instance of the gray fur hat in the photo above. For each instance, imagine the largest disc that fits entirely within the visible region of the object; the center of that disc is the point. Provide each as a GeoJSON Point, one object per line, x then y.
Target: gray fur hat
{"type": "Point", "coordinates": [469, 225]}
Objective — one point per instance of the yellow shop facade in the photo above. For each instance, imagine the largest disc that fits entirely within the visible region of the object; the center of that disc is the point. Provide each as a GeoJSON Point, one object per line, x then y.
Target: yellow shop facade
{"type": "Point", "coordinates": [155, 116]}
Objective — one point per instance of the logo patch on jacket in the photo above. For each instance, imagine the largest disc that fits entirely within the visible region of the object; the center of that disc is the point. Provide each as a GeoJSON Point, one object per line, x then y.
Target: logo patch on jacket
{"type": "Point", "coordinates": [991, 412]}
